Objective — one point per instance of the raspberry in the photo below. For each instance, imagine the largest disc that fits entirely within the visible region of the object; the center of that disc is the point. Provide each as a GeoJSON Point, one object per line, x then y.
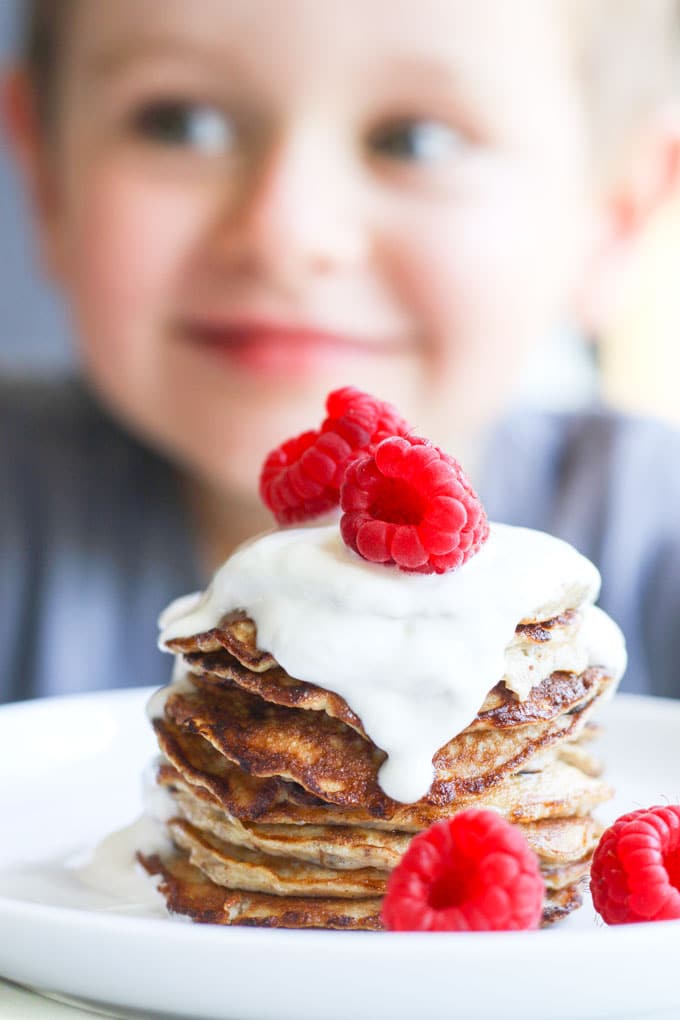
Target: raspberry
{"type": "Point", "coordinates": [301, 478]}
{"type": "Point", "coordinates": [472, 872]}
{"type": "Point", "coordinates": [375, 416]}
{"type": "Point", "coordinates": [409, 503]}
{"type": "Point", "coordinates": [635, 873]}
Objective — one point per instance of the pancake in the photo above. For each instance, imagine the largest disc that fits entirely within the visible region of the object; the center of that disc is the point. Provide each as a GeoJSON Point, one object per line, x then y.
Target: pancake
{"type": "Point", "coordinates": [222, 669]}
{"type": "Point", "coordinates": [574, 754]}
{"type": "Point", "coordinates": [230, 653]}
{"type": "Point", "coordinates": [333, 762]}
{"type": "Point", "coordinates": [541, 631]}
{"type": "Point", "coordinates": [253, 871]}
{"type": "Point", "coordinates": [561, 902]}
{"type": "Point", "coordinates": [237, 634]}
{"type": "Point", "coordinates": [333, 846]}
{"type": "Point", "coordinates": [563, 841]}
{"type": "Point", "coordinates": [573, 751]}
{"type": "Point", "coordinates": [321, 754]}
{"type": "Point", "coordinates": [556, 842]}
{"type": "Point", "coordinates": [189, 893]}
{"type": "Point", "coordinates": [552, 790]}
{"type": "Point", "coordinates": [244, 870]}
{"type": "Point", "coordinates": [567, 875]}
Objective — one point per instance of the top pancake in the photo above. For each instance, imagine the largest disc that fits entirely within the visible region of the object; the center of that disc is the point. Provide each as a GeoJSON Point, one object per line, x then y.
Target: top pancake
{"type": "Point", "coordinates": [230, 652]}
{"type": "Point", "coordinates": [237, 634]}
{"type": "Point", "coordinates": [237, 660]}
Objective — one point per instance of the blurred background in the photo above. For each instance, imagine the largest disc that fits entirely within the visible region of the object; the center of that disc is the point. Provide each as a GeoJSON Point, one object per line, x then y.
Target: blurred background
{"type": "Point", "coordinates": [33, 333]}
{"type": "Point", "coordinates": [636, 368]}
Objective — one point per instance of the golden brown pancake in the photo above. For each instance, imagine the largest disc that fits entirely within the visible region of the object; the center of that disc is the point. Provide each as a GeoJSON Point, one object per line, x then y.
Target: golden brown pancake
{"type": "Point", "coordinates": [221, 671]}
{"type": "Point", "coordinates": [554, 789]}
{"type": "Point", "coordinates": [540, 631]}
{"type": "Point", "coordinates": [230, 654]}
{"type": "Point", "coordinates": [321, 754]}
{"type": "Point", "coordinates": [253, 871]}
{"type": "Point", "coordinates": [574, 754]}
{"type": "Point", "coordinates": [190, 893]}
{"type": "Point", "coordinates": [556, 842]}
{"type": "Point", "coordinates": [562, 841]}
{"type": "Point", "coordinates": [237, 634]}
{"type": "Point", "coordinates": [567, 875]}
{"type": "Point", "coordinates": [333, 762]}
{"type": "Point", "coordinates": [560, 903]}
{"type": "Point", "coordinates": [333, 846]}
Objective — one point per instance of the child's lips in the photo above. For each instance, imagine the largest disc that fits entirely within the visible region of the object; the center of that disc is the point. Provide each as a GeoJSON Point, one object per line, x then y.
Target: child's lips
{"type": "Point", "coordinates": [267, 349]}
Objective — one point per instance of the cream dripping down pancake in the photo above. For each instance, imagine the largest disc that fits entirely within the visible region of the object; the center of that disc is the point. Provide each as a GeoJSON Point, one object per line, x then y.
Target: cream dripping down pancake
{"type": "Point", "coordinates": [413, 656]}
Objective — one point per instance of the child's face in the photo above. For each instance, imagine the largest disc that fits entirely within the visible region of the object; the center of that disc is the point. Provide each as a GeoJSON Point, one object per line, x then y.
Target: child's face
{"type": "Point", "coordinates": [255, 201]}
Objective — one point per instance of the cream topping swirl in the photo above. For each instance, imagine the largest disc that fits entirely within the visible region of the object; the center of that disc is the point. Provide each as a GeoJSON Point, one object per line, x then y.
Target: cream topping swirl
{"type": "Point", "coordinates": [414, 655]}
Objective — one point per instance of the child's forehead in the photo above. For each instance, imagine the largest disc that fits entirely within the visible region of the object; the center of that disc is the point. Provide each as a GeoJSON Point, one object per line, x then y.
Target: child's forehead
{"type": "Point", "coordinates": [455, 36]}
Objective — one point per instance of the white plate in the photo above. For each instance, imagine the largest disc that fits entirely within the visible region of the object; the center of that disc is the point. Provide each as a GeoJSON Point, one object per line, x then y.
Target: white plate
{"type": "Point", "coordinates": [70, 772]}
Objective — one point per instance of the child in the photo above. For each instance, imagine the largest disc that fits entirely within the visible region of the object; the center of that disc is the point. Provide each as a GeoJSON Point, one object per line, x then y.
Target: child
{"type": "Point", "coordinates": [250, 203]}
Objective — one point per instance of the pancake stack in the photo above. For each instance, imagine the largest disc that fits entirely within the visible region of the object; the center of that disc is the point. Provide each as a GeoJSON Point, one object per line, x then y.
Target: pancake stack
{"type": "Point", "coordinates": [274, 804]}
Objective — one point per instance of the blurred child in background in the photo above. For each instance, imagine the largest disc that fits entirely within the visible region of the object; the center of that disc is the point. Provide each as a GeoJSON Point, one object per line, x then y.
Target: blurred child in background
{"type": "Point", "coordinates": [248, 203]}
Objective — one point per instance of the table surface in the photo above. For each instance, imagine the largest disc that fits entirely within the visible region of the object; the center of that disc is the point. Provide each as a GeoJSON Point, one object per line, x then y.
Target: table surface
{"type": "Point", "coordinates": [18, 1003]}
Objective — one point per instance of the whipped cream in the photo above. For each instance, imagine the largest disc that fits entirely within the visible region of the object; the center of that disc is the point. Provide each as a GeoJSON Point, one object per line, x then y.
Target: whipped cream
{"type": "Point", "coordinates": [115, 877]}
{"type": "Point", "coordinates": [180, 684]}
{"type": "Point", "coordinates": [414, 655]}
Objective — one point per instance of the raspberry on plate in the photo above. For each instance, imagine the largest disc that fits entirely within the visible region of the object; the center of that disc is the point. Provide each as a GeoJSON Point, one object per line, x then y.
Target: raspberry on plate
{"type": "Point", "coordinates": [635, 874]}
{"type": "Point", "coordinates": [409, 503]}
{"type": "Point", "coordinates": [473, 872]}
{"type": "Point", "coordinates": [301, 478]}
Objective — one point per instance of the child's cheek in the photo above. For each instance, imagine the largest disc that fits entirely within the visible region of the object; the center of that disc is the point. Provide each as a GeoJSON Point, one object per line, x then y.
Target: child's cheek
{"type": "Point", "coordinates": [130, 239]}
{"type": "Point", "coordinates": [497, 264]}
{"type": "Point", "coordinates": [486, 281]}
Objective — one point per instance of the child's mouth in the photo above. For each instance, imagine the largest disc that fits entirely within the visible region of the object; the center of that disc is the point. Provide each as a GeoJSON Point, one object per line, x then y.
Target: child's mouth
{"type": "Point", "coordinates": [266, 349]}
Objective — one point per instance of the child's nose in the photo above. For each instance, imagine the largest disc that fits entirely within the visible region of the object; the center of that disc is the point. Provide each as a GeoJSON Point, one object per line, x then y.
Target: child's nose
{"type": "Point", "coordinates": [296, 213]}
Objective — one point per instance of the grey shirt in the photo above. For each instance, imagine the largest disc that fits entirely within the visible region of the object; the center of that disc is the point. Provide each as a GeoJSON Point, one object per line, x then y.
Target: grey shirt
{"type": "Point", "coordinates": [95, 540]}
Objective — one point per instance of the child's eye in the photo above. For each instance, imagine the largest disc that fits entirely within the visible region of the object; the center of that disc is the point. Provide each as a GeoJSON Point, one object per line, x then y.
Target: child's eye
{"type": "Point", "coordinates": [179, 123]}
{"type": "Point", "coordinates": [425, 141]}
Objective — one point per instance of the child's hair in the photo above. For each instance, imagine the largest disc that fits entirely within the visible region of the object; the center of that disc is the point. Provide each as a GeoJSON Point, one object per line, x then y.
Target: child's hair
{"type": "Point", "coordinates": [627, 55]}
{"type": "Point", "coordinates": [45, 26]}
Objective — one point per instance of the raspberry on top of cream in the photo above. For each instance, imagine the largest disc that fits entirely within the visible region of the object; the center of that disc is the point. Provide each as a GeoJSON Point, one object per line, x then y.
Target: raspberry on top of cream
{"type": "Point", "coordinates": [408, 609]}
